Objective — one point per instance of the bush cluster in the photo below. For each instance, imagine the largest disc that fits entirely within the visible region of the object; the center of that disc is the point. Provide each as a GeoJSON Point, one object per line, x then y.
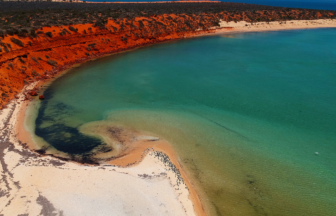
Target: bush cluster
{"type": "Point", "coordinates": [27, 18]}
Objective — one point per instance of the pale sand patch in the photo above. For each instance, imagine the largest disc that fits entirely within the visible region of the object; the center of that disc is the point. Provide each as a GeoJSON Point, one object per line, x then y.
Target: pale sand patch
{"type": "Point", "coordinates": [243, 26]}
{"type": "Point", "coordinates": [185, 189]}
{"type": "Point", "coordinates": [86, 190]}
{"type": "Point", "coordinates": [37, 185]}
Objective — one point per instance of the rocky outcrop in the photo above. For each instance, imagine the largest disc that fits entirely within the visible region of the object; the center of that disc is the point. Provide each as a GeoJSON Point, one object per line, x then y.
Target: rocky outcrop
{"type": "Point", "coordinates": [33, 93]}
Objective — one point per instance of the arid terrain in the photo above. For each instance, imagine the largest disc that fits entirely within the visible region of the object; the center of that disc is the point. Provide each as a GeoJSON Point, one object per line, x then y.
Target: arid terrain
{"type": "Point", "coordinates": [39, 39]}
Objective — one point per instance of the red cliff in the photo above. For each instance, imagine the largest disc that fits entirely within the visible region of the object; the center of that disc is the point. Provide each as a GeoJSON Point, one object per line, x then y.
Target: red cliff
{"type": "Point", "coordinates": [41, 54]}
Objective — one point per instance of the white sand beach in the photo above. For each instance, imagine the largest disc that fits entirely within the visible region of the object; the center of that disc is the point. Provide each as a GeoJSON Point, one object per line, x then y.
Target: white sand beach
{"type": "Point", "coordinates": [35, 185]}
{"type": "Point", "coordinates": [243, 26]}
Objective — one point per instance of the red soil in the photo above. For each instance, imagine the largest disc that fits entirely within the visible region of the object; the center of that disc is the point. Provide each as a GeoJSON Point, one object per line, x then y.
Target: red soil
{"type": "Point", "coordinates": [24, 60]}
{"type": "Point", "coordinates": [43, 57]}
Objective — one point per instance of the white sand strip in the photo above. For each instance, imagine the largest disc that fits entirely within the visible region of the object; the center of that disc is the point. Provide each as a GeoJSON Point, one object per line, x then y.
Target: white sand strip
{"type": "Point", "coordinates": [36, 185]}
{"type": "Point", "coordinates": [277, 25]}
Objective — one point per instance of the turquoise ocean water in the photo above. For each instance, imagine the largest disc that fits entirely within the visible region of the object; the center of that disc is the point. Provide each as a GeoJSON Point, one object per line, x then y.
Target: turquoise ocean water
{"type": "Point", "coordinates": [251, 116]}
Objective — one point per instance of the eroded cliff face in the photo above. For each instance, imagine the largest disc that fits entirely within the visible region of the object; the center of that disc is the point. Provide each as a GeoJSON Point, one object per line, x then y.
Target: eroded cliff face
{"type": "Point", "coordinates": [41, 54]}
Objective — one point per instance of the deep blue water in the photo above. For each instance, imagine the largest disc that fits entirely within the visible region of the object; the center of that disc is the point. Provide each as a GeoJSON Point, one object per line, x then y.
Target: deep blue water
{"type": "Point", "coordinates": [252, 116]}
{"type": "Point", "coordinates": [308, 4]}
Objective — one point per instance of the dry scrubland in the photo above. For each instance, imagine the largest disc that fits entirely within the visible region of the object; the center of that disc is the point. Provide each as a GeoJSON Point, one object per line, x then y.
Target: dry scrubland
{"type": "Point", "coordinates": [23, 18]}
{"type": "Point", "coordinates": [39, 39]}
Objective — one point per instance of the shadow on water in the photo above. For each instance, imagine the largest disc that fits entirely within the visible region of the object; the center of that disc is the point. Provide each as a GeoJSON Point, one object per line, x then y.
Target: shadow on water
{"type": "Point", "coordinates": [64, 138]}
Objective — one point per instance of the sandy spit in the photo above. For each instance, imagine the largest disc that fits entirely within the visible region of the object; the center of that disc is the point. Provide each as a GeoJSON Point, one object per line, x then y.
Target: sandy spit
{"type": "Point", "coordinates": [35, 185]}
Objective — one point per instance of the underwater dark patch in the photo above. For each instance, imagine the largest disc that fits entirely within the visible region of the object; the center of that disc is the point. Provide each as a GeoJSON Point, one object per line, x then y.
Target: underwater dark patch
{"type": "Point", "coordinates": [77, 143]}
{"type": "Point", "coordinates": [61, 137]}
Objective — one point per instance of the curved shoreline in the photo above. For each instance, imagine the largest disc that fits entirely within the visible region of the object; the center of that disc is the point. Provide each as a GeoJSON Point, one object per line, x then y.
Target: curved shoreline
{"type": "Point", "coordinates": [144, 147]}
{"type": "Point", "coordinates": [151, 157]}
{"type": "Point", "coordinates": [24, 137]}
{"type": "Point", "coordinates": [172, 157]}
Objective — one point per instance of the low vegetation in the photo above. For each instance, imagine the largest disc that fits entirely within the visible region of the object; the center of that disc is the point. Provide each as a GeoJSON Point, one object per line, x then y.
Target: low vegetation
{"type": "Point", "coordinates": [26, 18]}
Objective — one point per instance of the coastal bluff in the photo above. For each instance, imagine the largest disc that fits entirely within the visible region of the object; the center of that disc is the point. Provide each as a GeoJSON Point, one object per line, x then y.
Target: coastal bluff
{"type": "Point", "coordinates": [33, 49]}
{"type": "Point", "coordinates": [39, 41]}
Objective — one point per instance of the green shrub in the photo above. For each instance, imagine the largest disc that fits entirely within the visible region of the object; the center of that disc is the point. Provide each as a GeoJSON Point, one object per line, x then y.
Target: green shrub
{"type": "Point", "coordinates": [34, 59]}
{"type": "Point", "coordinates": [21, 60]}
{"type": "Point", "coordinates": [49, 34]}
{"type": "Point", "coordinates": [52, 62]}
{"type": "Point", "coordinates": [32, 33]}
{"type": "Point", "coordinates": [73, 29]}
{"type": "Point", "coordinates": [17, 42]}
{"type": "Point", "coordinates": [10, 65]}
{"type": "Point", "coordinates": [34, 73]}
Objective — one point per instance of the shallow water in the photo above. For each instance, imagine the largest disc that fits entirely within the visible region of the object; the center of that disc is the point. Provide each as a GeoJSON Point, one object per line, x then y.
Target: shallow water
{"type": "Point", "coordinates": [251, 116]}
